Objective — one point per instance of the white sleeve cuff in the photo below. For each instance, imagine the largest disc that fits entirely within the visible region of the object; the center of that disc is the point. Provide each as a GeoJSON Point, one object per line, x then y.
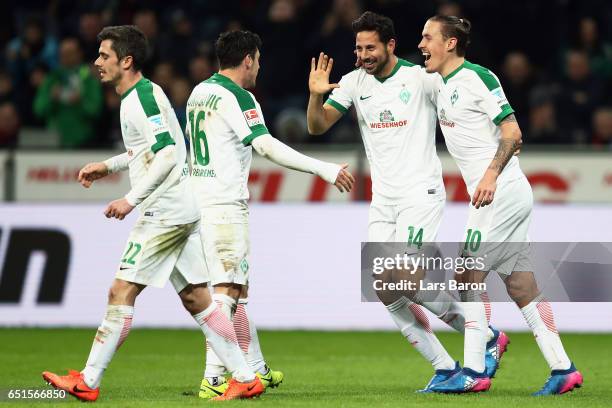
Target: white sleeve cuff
{"type": "Point", "coordinates": [281, 154]}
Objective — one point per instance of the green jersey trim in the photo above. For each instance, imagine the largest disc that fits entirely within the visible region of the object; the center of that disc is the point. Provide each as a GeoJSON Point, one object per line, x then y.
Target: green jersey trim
{"type": "Point", "coordinates": [452, 74]}
{"type": "Point", "coordinates": [484, 74]}
{"type": "Point", "coordinates": [336, 105]}
{"type": "Point", "coordinates": [506, 111]}
{"type": "Point", "coordinates": [249, 139]}
{"type": "Point", "coordinates": [491, 83]}
{"type": "Point", "coordinates": [144, 89]}
{"type": "Point", "coordinates": [139, 83]}
{"type": "Point", "coordinates": [400, 63]}
{"type": "Point", "coordinates": [163, 140]}
{"type": "Point", "coordinates": [245, 101]}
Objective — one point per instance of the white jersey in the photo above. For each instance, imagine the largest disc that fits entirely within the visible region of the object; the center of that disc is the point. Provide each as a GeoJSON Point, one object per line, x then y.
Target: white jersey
{"type": "Point", "coordinates": [471, 104]}
{"type": "Point", "coordinates": [223, 119]}
{"type": "Point", "coordinates": [397, 120]}
{"type": "Point", "coordinates": [148, 124]}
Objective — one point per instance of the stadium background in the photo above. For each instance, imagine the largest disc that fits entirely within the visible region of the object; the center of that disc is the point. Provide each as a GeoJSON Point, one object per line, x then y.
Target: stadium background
{"type": "Point", "coordinates": [58, 253]}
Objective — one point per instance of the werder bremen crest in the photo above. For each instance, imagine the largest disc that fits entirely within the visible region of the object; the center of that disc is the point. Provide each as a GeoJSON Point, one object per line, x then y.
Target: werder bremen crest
{"type": "Point", "coordinates": [386, 116]}
{"type": "Point", "coordinates": [405, 95]}
{"type": "Point", "coordinates": [454, 97]}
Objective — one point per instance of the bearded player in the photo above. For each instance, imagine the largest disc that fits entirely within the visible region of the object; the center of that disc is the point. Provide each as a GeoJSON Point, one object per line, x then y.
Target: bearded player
{"type": "Point", "coordinates": [394, 100]}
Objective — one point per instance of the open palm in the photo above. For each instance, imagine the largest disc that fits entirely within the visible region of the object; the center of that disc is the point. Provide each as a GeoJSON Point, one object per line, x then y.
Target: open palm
{"type": "Point", "coordinates": [318, 81]}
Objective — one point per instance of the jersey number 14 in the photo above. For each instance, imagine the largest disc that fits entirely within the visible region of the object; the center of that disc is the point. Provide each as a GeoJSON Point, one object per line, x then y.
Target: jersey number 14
{"type": "Point", "coordinates": [198, 138]}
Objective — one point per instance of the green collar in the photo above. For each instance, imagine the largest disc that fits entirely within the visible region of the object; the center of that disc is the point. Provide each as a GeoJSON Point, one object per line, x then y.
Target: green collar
{"type": "Point", "coordinates": [452, 74]}
{"type": "Point", "coordinates": [220, 78]}
{"type": "Point", "coordinates": [141, 82]}
{"type": "Point", "coordinates": [398, 65]}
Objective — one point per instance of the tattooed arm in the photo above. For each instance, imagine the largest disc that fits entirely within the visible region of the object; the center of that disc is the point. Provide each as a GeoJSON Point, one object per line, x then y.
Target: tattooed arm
{"type": "Point", "coordinates": [509, 145]}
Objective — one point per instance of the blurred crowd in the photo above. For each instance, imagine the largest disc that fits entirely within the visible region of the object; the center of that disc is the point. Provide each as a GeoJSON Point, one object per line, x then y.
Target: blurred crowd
{"type": "Point", "coordinates": [554, 60]}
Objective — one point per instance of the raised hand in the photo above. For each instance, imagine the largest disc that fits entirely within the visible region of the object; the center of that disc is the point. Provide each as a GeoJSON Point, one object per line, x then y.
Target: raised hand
{"type": "Point", "coordinates": [345, 180]}
{"type": "Point", "coordinates": [318, 81]}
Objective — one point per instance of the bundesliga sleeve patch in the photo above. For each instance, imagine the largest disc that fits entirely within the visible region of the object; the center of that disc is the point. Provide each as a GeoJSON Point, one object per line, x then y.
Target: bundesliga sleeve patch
{"type": "Point", "coordinates": [252, 117]}
{"type": "Point", "coordinates": [158, 124]}
{"type": "Point", "coordinates": [499, 96]}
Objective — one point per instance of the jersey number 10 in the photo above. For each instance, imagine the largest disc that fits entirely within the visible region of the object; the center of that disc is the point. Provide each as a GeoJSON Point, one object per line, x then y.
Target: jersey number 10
{"type": "Point", "coordinates": [198, 138]}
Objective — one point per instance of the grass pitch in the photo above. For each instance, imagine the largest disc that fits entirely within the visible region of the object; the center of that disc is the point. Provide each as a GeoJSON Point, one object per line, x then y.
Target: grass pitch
{"type": "Point", "coordinates": [163, 368]}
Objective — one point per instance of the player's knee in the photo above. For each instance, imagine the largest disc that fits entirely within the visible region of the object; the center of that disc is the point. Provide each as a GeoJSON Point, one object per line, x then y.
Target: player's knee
{"type": "Point", "coordinates": [387, 297]}
{"type": "Point", "coordinates": [195, 298]}
{"type": "Point", "coordinates": [189, 304]}
{"type": "Point", "coordinates": [189, 301]}
{"type": "Point", "coordinates": [123, 293]}
{"type": "Point", "coordinates": [521, 288]}
{"type": "Point", "coordinates": [116, 294]}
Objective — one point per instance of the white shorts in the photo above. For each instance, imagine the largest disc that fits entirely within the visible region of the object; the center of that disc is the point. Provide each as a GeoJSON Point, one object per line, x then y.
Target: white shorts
{"type": "Point", "coordinates": [157, 253]}
{"type": "Point", "coordinates": [225, 235]}
{"type": "Point", "coordinates": [410, 223]}
{"type": "Point", "coordinates": [500, 230]}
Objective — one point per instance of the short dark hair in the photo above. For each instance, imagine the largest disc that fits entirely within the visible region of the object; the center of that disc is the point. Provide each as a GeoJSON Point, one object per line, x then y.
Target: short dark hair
{"type": "Point", "coordinates": [370, 21]}
{"type": "Point", "coordinates": [455, 27]}
{"type": "Point", "coordinates": [232, 46]}
{"type": "Point", "coordinates": [127, 40]}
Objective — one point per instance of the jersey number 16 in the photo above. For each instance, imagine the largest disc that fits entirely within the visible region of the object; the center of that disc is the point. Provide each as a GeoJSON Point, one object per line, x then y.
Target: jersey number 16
{"type": "Point", "coordinates": [198, 138]}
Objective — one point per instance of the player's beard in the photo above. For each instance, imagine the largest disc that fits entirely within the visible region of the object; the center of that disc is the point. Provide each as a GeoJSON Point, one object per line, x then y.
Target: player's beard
{"type": "Point", "coordinates": [382, 63]}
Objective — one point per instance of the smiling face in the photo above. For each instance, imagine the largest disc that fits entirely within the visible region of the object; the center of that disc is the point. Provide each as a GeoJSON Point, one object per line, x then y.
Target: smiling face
{"type": "Point", "coordinates": [434, 47]}
{"type": "Point", "coordinates": [108, 64]}
{"type": "Point", "coordinates": [373, 53]}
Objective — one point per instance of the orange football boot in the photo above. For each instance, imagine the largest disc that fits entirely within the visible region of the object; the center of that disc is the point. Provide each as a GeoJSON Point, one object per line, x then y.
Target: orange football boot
{"type": "Point", "coordinates": [239, 390]}
{"type": "Point", "coordinates": [72, 383]}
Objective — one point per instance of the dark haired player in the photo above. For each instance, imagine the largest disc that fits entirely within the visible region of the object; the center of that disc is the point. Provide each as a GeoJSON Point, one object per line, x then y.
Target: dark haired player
{"type": "Point", "coordinates": [225, 124]}
{"type": "Point", "coordinates": [482, 135]}
{"type": "Point", "coordinates": [165, 243]}
{"type": "Point", "coordinates": [395, 104]}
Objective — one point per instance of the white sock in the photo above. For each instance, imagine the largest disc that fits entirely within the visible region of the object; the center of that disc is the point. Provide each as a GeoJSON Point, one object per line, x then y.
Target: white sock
{"type": "Point", "coordinates": [221, 336]}
{"type": "Point", "coordinates": [248, 339]}
{"type": "Point", "coordinates": [475, 334]}
{"type": "Point", "coordinates": [539, 316]}
{"type": "Point", "coordinates": [227, 304]}
{"type": "Point", "coordinates": [214, 366]}
{"type": "Point", "coordinates": [412, 321]}
{"type": "Point", "coordinates": [450, 311]}
{"type": "Point", "coordinates": [111, 334]}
